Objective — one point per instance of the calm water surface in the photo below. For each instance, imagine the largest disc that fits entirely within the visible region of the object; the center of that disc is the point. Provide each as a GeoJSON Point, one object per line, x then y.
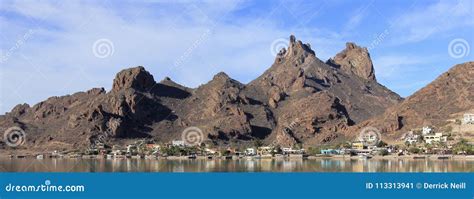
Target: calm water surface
{"type": "Point", "coordinates": [241, 165]}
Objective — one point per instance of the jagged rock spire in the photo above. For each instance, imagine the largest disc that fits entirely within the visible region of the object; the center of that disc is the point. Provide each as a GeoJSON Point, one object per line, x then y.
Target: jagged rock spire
{"type": "Point", "coordinates": [296, 47]}
{"type": "Point", "coordinates": [355, 60]}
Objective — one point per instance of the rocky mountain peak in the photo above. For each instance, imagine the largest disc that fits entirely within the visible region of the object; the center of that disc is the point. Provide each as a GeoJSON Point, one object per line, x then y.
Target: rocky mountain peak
{"type": "Point", "coordinates": [354, 60]}
{"type": "Point", "coordinates": [137, 78]}
{"type": "Point", "coordinates": [296, 48]}
{"type": "Point", "coordinates": [318, 101]}
{"type": "Point", "coordinates": [221, 76]}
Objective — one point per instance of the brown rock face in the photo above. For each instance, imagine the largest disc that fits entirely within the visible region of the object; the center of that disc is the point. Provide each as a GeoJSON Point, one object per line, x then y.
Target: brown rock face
{"type": "Point", "coordinates": [355, 60]}
{"type": "Point", "coordinates": [314, 119]}
{"type": "Point", "coordinates": [299, 99]}
{"type": "Point", "coordinates": [137, 78]}
{"type": "Point", "coordinates": [451, 93]}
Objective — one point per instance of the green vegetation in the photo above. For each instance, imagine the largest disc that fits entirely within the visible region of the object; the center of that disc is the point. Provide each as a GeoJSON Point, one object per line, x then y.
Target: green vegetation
{"type": "Point", "coordinates": [225, 152]}
{"type": "Point", "coordinates": [180, 151]}
{"type": "Point", "coordinates": [314, 150]}
{"type": "Point", "coordinates": [414, 150]}
{"type": "Point", "coordinates": [277, 150]}
{"type": "Point", "coordinates": [384, 152]}
{"type": "Point", "coordinates": [382, 144]}
{"type": "Point", "coordinates": [463, 147]}
{"type": "Point", "coordinates": [257, 143]}
{"type": "Point", "coordinates": [345, 145]}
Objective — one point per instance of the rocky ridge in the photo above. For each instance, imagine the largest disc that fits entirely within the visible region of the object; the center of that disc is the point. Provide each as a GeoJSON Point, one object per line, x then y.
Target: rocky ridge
{"type": "Point", "coordinates": [299, 99]}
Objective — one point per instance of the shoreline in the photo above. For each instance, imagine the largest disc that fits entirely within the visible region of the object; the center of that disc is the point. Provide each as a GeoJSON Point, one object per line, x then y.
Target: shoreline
{"type": "Point", "coordinates": [404, 157]}
{"type": "Point", "coordinates": [333, 157]}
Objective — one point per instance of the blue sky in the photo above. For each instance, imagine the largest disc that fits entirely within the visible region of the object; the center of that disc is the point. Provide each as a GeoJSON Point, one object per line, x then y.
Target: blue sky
{"type": "Point", "coordinates": [54, 48]}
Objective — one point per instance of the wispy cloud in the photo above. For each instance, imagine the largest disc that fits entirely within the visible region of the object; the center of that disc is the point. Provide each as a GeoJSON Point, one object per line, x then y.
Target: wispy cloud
{"type": "Point", "coordinates": [191, 41]}
{"type": "Point", "coordinates": [407, 73]}
{"type": "Point", "coordinates": [357, 17]}
{"type": "Point", "coordinates": [424, 22]}
{"type": "Point", "coordinates": [395, 65]}
{"type": "Point", "coordinates": [203, 38]}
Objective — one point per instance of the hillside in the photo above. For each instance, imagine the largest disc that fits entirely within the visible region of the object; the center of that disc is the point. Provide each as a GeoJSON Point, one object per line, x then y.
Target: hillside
{"type": "Point", "coordinates": [299, 99]}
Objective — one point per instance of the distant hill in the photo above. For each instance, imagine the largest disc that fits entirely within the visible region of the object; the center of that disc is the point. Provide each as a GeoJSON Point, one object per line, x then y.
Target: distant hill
{"type": "Point", "coordinates": [451, 94]}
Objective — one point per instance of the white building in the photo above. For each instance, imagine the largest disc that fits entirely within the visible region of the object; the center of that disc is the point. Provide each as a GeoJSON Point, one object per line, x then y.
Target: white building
{"type": "Point", "coordinates": [468, 118]}
{"type": "Point", "coordinates": [411, 139]}
{"type": "Point", "coordinates": [264, 150]}
{"type": "Point", "coordinates": [292, 151]}
{"type": "Point", "coordinates": [426, 130]}
{"type": "Point", "coordinates": [179, 143]}
{"type": "Point", "coordinates": [210, 151]}
{"type": "Point", "coordinates": [131, 148]}
{"type": "Point", "coordinates": [250, 151]}
{"type": "Point", "coordinates": [437, 137]}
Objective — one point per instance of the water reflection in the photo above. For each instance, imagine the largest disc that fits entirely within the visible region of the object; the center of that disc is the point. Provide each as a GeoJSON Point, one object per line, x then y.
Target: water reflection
{"type": "Point", "coordinates": [241, 165]}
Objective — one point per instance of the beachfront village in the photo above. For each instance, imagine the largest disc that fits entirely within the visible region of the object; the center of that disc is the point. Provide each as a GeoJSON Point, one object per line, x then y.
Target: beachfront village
{"type": "Point", "coordinates": [420, 143]}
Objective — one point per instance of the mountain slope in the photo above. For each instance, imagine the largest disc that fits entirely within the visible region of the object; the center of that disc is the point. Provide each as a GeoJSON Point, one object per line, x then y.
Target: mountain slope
{"type": "Point", "coordinates": [450, 93]}
{"type": "Point", "coordinates": [299, 99]}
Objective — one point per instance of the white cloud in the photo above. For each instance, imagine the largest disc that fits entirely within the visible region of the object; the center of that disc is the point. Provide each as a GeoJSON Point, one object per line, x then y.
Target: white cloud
{"type": "Point", "coordinates": [387, 66]}
{"type": "Point", "coordinates": [58, 58]}
{"type": "Point", "coordinates": [356, 18]}
{"type": "Point", "coordinates": [425, 22]}
{"type": "Point", "coordinates": [407, 73]}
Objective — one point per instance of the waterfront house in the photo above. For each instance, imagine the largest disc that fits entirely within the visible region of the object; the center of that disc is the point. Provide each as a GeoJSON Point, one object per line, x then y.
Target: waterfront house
{"type": "Point", "coordinates": [178, 143]}
{"type": "Point", "coordinates": [292, 151]}
{"type": "Point", "coordinates": [358, 145]}
{"type": "Point", "coordinates": [437, 137]}
{"type": "Point", "coordinates": [208, 151]}
{"type": "Point", "coordinates": [117, 152]}
{"type": "Point", "coordinates": [330, 152]}
{"type": "Point", "coordinates": [286, 150]}
{"type": "Point", "coordinates": [362, 151]}
{"type": "Point", "coordinates": [264, 150]}
{"type": "Point", "coordinates": [153, 147]}
{"type": "Point", "coordinates": [250, 152]}
{"type": "Point", "coordinates": [426, 130]}
{"type": "Point", "coordinates": [132, 149]}
{"type": "Point", "coordinates": [370, 138]}
{"type": "Point", "coordinates": [468, 118]}
{"type": "Point", "coordinates": [411, 138]}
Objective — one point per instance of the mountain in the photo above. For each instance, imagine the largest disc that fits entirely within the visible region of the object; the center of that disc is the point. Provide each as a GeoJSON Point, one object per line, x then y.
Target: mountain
{"type": "Point", "coordinates": [451, 93]}
{"type": "Point", "coordinates": [299, 99]}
